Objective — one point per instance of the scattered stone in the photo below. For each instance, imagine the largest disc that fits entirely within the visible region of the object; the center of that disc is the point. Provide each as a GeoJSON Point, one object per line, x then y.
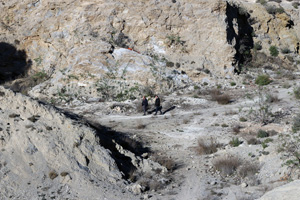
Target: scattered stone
{"type": "Point", "coordinates": [213, 183]}
{"type": "Point", "coordinates": [243, 185]}
{"type": "Point", "coordinates": [14, 115]}
{"type": "Point", "coordinates": [64, 174]}
{"type": "Point", "coordinates": [52, 175]}
{"type": "Point", "coordinates": [137, 189]}
{"type": "Point", "coordinates": [34, 118]}
{"type": "Point", "coordinates": [145, 155]}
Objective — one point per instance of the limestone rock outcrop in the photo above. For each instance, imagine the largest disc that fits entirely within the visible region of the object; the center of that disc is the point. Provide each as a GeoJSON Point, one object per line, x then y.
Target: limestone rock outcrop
{"type": "Point", "coordinates": [91, 47]}
{"type": "Point", "coordinates": [289, 191]}
{"type": "Point", "coordinates": [44, 154]}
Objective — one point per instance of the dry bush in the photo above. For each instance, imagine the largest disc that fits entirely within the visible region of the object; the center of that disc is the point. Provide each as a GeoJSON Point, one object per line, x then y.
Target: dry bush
{"type": "Point", "coordinates": [236, 129]}
{"type": "Point", "coordinates": [230, 112]}
{"type": "Point", "coordinates": [52, 174]}
{"type": "Point", "coordinates": [151, 183]}
{"type": "Point", "coordinates": [214, 93]}
{"type": "Point", "coordinates": [272, 98]}
{"type": "Point", "coordinates": [186, 106]}
{"type": "Point", "coordinates": [227, 165]}
{"type": "Point", "coordinates": [253, 141]}
{"type": "Point", "coordinates": [186, 121]}
{"type": "Point", "coordinates": [141, 126]}
{"type": "Point", "coordinates": [165, 161]}
{"type": "Point", "coordinates": [248, 169]}
{"type": "Point", "coordinates": [220, 98]}
{"type": "Point", "coordinates": [207, 146]}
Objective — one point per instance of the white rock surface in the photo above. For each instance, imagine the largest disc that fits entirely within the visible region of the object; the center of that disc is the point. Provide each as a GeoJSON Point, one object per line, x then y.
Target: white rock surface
{"type": "Point", "coordinates": [289, 191]}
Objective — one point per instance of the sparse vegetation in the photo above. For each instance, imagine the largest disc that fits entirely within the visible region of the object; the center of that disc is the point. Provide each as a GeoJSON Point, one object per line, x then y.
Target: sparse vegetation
{"type": "Point", "coordinates": [274, 51]}
{"type": "Point", "coordinates": [40, 76]}
{"type": "Point", "coordinates": [273, 10]}
{"type": "Point", "coordinates": [243, 119]}
{"type": "Point", "coordinates": [262, 2]}
{"type": "Point", "coordinates": [262, 134]}
{"type": "Point", "coordinates": [295, 5]}
{"type": "Point", "coordinates": [165, 161]}
{"type": "Point", "coordinates": [207, 146]}
{"type": "Point", "coordinates": [271, 98]}
{"type": "Point", "coordinates": [223, 99]}
{"type": "Point", "coordinates": [263, 79]}
{"type": "Point", "coordinates": [227, 165]}
{"type": "Point", "coordinates": [253, 141]}
{"type": "Point", "coordinates": [236, 129]}
{"type": "Point", "coordinates": [257, 46]}
{"type": "Point", "coordinates": [296, 124]}
{"type": "Point", "coordinates": [235, 142]}
{"type": "Point", "coordinates": [297, 92]}
{"type": "Point", "coordinates": [174, 40]}
{"type": "Point", "coordinates": [263, 110]}
{"type": "Point", "coordinates": [248, 169]}
{"type": "Point", "coordinates": [52, 174]}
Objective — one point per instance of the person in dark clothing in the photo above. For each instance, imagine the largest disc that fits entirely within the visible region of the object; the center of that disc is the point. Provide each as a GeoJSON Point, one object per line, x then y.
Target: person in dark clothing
{"type": "Point", "coordinates": [157, 105]}
{"type": "Point", "coordinates": [144, 104]}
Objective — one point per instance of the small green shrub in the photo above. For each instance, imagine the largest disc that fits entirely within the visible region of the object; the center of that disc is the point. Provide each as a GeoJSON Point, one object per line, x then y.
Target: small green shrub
{"type": "Point", "coordinates": [297, 92]}
{"type": "Point", "coordinates": [262, 134]}
{"type": "Point", "coordinates": [268, 140]}
{"type": "Point", "coordinates": [232, 83]}
{"type": "Point", "coordinates": [264, 145]}
{"type": "Point", "coordinates": [39, 76]}
{"type": "Point", "coordinates": [296, 124]}
{"type": "Point", "coordinates": [263, 80]}
{"type": "Point", "coordinates": [243, 119]}
{"type": "Point", "coordinates": [295, 4]}
{"type": "Point", "coordinates": [235, 142]}
{"type": "Point", "coordinates": [257, 46]}
{"type": "Point", "coordinates": [277, 1]}
{"type": "Point", "coordinates": [207, 146]}
{"type": "Point", "coordinates": [262, 2]}
{"type": "Point", "coordinates": [224, 125]}
{"type": "Point", "coordinates": [253, 141]}
{"type": "Point", "coordinates": [273, 51]}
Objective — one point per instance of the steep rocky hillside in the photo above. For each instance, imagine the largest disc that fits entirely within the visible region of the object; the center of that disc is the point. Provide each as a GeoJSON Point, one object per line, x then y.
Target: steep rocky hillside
{"type": "Point", "coordinates": [73, 73]}
{"type": "Point", "coordinates": [120, 49]}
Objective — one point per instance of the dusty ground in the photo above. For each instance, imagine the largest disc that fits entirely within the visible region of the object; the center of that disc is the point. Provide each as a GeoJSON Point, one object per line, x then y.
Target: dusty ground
{"type": "Point", "coordinates": [174, 136]}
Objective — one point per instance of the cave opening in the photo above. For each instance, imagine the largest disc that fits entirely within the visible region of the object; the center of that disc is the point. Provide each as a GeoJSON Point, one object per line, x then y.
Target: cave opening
{"type": "Point", "coordinates": [13, 62]}
{"type": "Point", "coordinates": [239, 34]}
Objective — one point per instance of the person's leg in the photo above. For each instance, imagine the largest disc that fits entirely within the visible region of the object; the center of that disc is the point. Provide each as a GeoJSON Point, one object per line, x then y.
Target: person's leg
{"type": "Point", "coordinates": [156, 110]}
{"type": "Point", "coordinates": [144, 108]}
{"type": "Point", "coordinates": [160, 110]}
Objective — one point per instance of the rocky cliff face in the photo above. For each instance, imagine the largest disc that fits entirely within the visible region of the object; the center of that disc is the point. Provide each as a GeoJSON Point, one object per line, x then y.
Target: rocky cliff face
{"type": "Point", "coordinates": [82, 52]}
{"type": "Point", "coordinates": [45, 154]}
{"type": "Point", "coordinates": [84, 45]}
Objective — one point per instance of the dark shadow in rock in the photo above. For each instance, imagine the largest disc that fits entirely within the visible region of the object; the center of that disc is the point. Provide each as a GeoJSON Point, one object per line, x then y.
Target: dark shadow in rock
{"type": "Point", "coordinates": [108, 139]}
{"type": "Point", "coordinates": [169, 109]}
{"type": "Point", "coordinates": [13, 62]}
{"type": "Point", "coordinates": [239, 34]}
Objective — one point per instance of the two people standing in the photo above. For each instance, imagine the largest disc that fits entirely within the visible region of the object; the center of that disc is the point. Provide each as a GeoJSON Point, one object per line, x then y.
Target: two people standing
{"type": "Point", "coordinates": [157, 105]}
